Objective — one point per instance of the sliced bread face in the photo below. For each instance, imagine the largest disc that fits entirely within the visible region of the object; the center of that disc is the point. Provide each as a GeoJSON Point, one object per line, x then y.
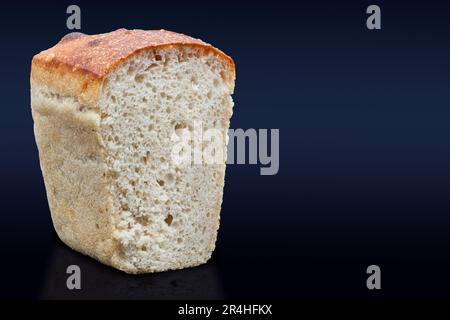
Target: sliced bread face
{"type": "Point", "coordinates": [168, 213]}
{"type": "Point", "coordinates": [116, 189]}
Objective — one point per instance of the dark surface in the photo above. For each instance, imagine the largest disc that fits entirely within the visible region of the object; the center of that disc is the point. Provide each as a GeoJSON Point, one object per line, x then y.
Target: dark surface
{"type": "Point", "coordinates": [364, 178]}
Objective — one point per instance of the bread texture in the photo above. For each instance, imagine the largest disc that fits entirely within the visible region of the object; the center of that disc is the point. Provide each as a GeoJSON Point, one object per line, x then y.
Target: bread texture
{"type": "Point", "coordinates": [108, 110]}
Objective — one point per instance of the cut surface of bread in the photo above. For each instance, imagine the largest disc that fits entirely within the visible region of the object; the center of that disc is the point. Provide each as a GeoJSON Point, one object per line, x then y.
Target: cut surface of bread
{"type": "Point", "coordinates": [108, 110]}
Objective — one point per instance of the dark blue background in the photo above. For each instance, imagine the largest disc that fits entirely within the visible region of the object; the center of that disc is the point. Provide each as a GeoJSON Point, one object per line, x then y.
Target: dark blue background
{"type": "Point", "coordinates": [364, 176]}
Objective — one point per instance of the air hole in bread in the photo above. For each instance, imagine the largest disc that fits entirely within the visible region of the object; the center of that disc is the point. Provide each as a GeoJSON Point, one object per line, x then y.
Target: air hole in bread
{"type": "Point", "coordinates": [169, 178]}
{"type": "Point", "coordinates": [151, 66]}
{"type": "Point", "coordinates": [139, 78]}
{"type": "Point", "coordinates": [169, 219]}
{"type": "Point", "coordinates": [180, 125]}
{"type": "Point", "coordinates": [130, 70]}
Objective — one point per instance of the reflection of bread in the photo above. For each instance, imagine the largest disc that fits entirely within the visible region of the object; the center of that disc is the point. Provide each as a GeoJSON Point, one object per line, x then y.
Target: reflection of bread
{"type": "Point", "coordinates": [99, 282]}
{"type": "Point", "coordinates": [106, 108]}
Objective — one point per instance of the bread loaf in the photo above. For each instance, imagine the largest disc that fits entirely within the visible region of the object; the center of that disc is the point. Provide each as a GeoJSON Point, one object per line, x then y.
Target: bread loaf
{"type": "Point", "coordinates": [106, 111]}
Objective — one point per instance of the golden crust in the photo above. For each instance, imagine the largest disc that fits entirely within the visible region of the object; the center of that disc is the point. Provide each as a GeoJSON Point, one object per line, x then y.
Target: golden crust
{"type": "Point", "coordinates": [78, 63]}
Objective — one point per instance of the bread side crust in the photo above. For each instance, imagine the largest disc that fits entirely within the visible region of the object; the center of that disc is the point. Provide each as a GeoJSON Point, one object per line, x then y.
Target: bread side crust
{"type": "Point", "coordinates": [78, 64]}
{"type": "Point", "coordinates": [75, 174]}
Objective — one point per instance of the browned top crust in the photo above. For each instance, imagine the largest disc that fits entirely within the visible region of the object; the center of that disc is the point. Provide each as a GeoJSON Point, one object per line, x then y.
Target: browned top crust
{"type": "Point", "coordinates": [78, 63]}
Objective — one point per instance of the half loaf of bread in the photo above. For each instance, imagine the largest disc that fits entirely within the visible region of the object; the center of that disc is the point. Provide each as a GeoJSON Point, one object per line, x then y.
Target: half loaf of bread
{"type": "Point", "coordinates": [108, 110]}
